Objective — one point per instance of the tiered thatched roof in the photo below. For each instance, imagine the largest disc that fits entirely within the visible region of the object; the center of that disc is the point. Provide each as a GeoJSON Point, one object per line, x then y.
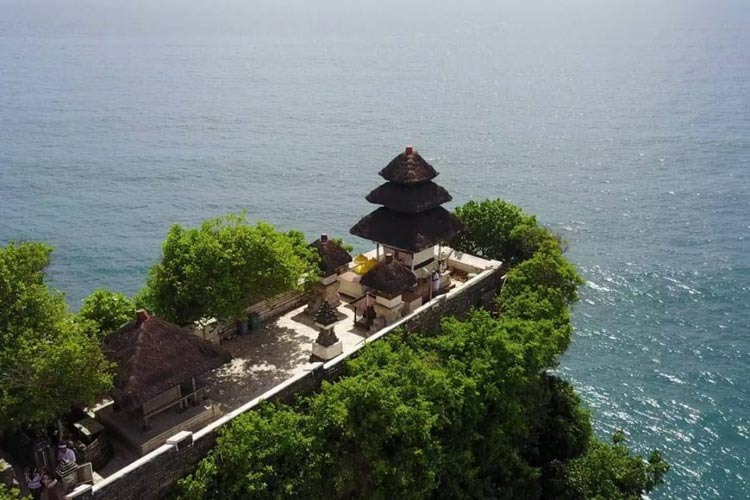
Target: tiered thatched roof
{"type": "Point", "coordinates": [411, 218]}
{"type": "Point", "coordinates": [389, 276]}
{"type": "Point", "coordinates": [332, 255]}
{"type": "Point", "coordinates": [410, 199]}
{"type": "Point", "coordinates": [411, 232]}
{"type": "Point", "coordinates": [408, 168]}
{"type": "Point", "coordinates": [153, 356]}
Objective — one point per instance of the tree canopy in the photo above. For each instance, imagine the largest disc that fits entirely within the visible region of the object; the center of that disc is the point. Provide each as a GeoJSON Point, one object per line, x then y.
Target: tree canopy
{"type": "Point", "coordinates": [107, 311]}
{"type": "Point", "coordinates": [499, 230]}
{"type": "Point", "coordinates": [465, 412]}
{"type": "Point", "coordinates": [223, 266]}
{"type": "Point", "coordinates": [48, 361]}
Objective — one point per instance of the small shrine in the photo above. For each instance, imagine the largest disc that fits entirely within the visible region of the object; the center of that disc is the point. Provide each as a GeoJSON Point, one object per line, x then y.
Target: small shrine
{"type": "Point", "coordinates": [390, 279]}
{"type": "Point", "coordinates": [334, 260]}
{"type": "Point", "coordinates": [327, 345]}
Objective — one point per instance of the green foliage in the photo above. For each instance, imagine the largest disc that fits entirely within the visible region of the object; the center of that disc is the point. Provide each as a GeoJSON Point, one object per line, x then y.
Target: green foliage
{"type": "Point", "coordinates": [499, 230]}
{"type": "Point", "coordinates": [222, 267]}
{"type": "Point", "coordinates": [379, 432]}
{"type": "Point", "coordinates": [610, 471]}
{"type": "Point", "coordinates": [547, 273]}
{"type": "Point", "coordinates": [562, 428]}
{"type": "Point", "coordinates": [267, 454]}
{"type": "Point", "coordinates": [107, 311]}
{"type": "Point", "coordinates": [303, 251]}
{"type": "Point", "coordinates": [11, 493]}
{"type": "Point", "coordinates": [48, 361]}
{"type": "Point", "coordinates": [346, 246]}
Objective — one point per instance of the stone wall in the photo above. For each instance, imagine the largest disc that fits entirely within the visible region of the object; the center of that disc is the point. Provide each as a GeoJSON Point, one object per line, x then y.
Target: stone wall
{"type": "Point", "coordinates": [151, 476]}
{"type": "Point", "coordinates": [479, 292]}
{"type": "Point", "coordinates": [278, 305]}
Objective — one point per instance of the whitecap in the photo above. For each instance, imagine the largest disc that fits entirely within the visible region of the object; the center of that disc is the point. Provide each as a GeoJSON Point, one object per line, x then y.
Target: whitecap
{"type": "Point", "coordinates": [596, 287]}
{"type": "Point", "coordinates": [672, 378]}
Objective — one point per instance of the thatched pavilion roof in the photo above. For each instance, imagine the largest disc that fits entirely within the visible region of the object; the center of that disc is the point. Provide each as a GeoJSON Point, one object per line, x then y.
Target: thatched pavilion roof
{"type": "Point", "coordinates": [408, 168]}
{"type": "Point", "coordinates": [389, 276]}
{"type": "Point", "coordinates": [153, 356]}
{"type": "Point", "coordinates": [409, 198]}
{"type": "Point", "coordinates": [332, 255]}
{"type": "Point", "coordinates": [410, 232]}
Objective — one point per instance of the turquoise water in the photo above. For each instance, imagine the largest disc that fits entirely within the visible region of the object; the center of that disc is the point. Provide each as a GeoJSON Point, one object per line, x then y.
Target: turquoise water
{"type": "Point", "coordinates": [624, 125]}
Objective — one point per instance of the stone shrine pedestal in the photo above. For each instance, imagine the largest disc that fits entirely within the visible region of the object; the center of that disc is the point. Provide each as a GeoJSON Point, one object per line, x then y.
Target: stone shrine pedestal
{"type": "Point", "coordinates": [326, 289]}
{"type": "Point", "coordinates": [388, 309]}
{"type": "Point", "coordinates": [327, 352]}
{"type": "Point", "coordinates": [327, 345]}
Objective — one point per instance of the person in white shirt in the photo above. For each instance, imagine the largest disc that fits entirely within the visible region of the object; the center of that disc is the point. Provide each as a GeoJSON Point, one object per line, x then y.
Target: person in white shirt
{"type": "Point", "coordinates": [65, 454]}
{"type": "Point", "coordinates": [34, 482]}
{"type": "Point", "coordinates": [435, 283]}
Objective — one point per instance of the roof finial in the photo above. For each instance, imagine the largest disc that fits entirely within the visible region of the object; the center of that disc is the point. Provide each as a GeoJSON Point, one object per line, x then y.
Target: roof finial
{"type": "Point", "coordinates": [409, 150]}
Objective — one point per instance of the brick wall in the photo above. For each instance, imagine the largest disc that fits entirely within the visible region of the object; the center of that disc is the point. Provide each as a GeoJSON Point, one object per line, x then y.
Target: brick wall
{"type": "Point", "coordinates": [151, 476]}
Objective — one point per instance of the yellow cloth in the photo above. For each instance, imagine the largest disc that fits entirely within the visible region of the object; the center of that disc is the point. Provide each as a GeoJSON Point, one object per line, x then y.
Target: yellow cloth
{"type": "Point", "coordinates": [363, 267]}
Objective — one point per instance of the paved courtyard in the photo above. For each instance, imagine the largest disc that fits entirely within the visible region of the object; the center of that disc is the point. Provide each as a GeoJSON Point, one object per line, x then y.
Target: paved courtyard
{"type": "Point", "coordinates": [280, 349]}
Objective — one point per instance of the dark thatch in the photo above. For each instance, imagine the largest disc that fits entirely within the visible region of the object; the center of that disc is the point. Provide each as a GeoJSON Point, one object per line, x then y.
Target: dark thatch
{"type": "Point", "coordinates": [326, 315]}
{"type": "Point", "coordinates": [332, 255]}
{"type": "Point", "coordinates": [409, 198]}
{"type": "Point", "coordinates": [410, 232]}
{"type": "Point", "coordinates": [408, 168]}
{"type": "Point", "coordinates": [153, 356]}
{"type": "Point", "coordinates": [389, 277]}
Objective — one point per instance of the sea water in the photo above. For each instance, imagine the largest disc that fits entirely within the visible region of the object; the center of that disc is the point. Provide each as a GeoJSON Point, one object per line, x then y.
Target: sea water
{"type": "Point", "coordinates": [624, 125]}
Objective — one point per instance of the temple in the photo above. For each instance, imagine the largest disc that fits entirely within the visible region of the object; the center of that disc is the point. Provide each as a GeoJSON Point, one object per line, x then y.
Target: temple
{"type": "Point", "coordinates": [175, 387]}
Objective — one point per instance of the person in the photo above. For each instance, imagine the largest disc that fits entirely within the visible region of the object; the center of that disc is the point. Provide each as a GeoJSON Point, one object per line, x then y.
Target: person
{"type": "Point", "coordinates": [65, 454]}
{"type": "Point", "coordinates": [50, 487]}
{"type": "Point", "coordinates": [34, 482]}
{"type": "Point", "coordinates": [435, 283]}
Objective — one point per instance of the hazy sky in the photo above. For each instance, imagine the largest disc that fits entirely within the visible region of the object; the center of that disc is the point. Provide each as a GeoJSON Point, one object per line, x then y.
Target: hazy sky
{"type": "Point", "coordinates": [243, 17]}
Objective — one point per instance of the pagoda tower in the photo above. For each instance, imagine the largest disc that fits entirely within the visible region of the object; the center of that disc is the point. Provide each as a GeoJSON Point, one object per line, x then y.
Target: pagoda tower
{"type": "Point", "coordinates": [411, 221]}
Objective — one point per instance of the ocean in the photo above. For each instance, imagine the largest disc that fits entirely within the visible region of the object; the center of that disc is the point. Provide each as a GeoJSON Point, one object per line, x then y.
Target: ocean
{"type": "Point", "coordinates": [623, 125]}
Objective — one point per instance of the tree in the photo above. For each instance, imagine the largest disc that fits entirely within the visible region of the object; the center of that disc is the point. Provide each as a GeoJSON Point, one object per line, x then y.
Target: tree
{"type": "Point", "coordinates": [499, 230]}
{"type": "Point", "coordinates": [48, 362]}
{"type": "Point", "coordinates": [219, 269]}
{"type": "Point", "coordinates": [547, 273]}
{"type": "Point", "coordinates": [610, 471]}
{"type": "Point", "coordinates": [11, 493]}
{"type": "Point", "coordinates": [271, 453]}
{"type": "Point", "coordinates": [380, 427]}
{"type": "Point", "coordinates": [107, 311]}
